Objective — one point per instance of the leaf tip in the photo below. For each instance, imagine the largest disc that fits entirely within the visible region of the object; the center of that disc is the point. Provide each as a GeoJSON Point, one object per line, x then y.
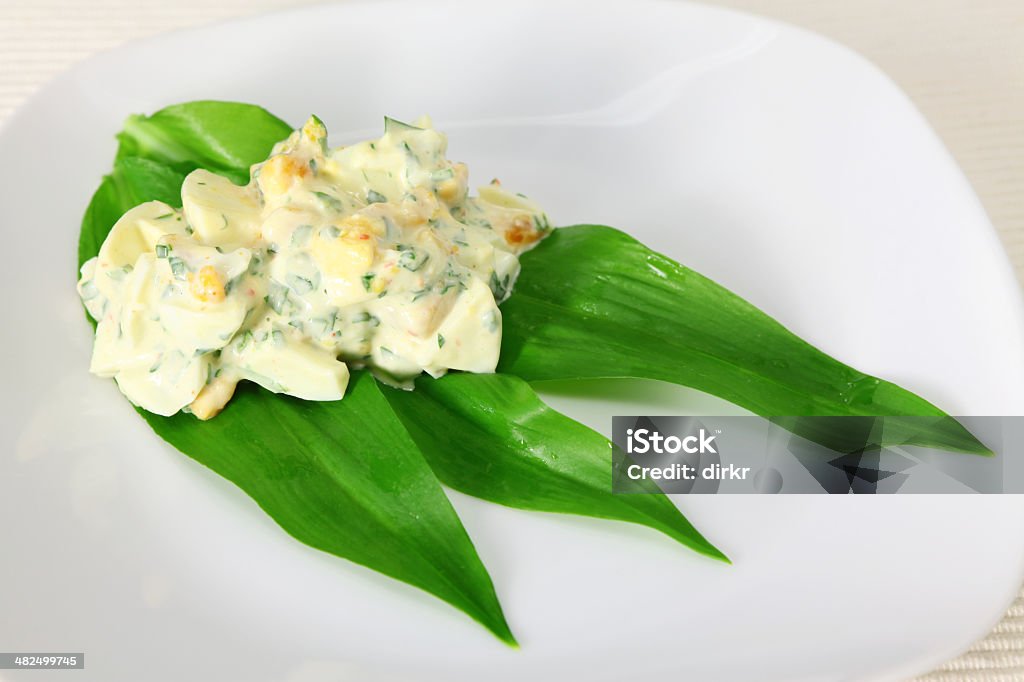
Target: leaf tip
{"type": "Point", "coordinates": [712, 552]}
{"type": "Point", "coordinates": [502, 631]}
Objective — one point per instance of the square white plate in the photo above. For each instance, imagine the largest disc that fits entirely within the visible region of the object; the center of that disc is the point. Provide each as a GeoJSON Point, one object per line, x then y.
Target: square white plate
{"type": "Point", "coordinates": [778, 163]}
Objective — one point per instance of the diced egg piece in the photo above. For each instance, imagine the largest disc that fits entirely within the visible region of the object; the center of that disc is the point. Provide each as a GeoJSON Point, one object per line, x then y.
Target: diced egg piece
{"type": "Point", "coordinates": [220, 212]}
{"type": "Point", "coordinates": [135, 233]}
{"type": "Point", "coordinates": [346, 252]}
{"type": "Point", "coordinates": [471, 332]}
{"type": "Point", "coordinates": [166, 387]}
{"type": "Point", "coordinates": [296, 368]}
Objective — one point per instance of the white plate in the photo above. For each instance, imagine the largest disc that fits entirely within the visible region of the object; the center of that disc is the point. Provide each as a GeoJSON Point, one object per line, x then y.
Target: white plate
{"type": "Point", "coordinates": [774, 161]}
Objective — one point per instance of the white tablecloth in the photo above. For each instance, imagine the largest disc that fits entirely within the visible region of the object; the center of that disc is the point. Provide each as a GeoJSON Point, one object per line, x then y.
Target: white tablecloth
{"type": "Point", "coordinates": [962, 61]}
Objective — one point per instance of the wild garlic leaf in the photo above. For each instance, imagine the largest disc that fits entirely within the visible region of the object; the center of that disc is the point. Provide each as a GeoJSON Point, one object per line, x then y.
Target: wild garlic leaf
{"type": "Point", "coordinates": [592, 302]}
{"type": "Point", "coordinates": [344, 477]}
{"type": "Point", "coordinates": [133, 181]}
{"type": "Point", "coordinates": [490, 436]}
{"type": "Point", "coordinates": [222, 137]}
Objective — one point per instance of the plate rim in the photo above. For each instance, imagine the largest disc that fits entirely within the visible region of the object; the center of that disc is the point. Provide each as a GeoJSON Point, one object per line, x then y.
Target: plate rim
{"type": "Point", "coordinates": [96, 62]}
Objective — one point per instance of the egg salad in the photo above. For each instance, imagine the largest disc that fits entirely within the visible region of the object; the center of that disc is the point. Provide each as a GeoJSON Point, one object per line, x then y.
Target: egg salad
{"type": "Point", "coordinates": [370, 255]}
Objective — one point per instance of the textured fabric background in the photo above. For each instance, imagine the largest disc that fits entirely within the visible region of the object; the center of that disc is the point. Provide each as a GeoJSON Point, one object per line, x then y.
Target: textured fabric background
{"type": "Point", "coordinates": [961, 61]}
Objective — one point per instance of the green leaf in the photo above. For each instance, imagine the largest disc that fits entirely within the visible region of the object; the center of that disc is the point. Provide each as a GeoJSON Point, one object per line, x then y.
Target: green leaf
{"type": "Point", "coordinates": [157, 152]}
{"type": "Point", "coordinates": [222, 137]}
{"type": "Point", "coordinates": [344, 477]}
{"type": "Point", "coordinates": [592, 302]}
{"type": "Point", "coordinates": [490, 436]}
{"type": "Point", "coordinates": [133, 181]}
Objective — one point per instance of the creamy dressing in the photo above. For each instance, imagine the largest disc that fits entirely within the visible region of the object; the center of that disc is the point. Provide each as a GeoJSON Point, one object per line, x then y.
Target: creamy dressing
{"type": "Point", "coordinates": [368, 255]}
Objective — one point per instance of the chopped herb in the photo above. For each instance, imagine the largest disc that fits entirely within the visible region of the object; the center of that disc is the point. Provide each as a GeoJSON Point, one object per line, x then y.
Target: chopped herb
{"type": "Point", "coordinates": [411, 261]}
{"type": "Point", "coordinates": [89, 290]}
{"type": "Point", "coordinates": [368, 280]}
{"type": "Point", "coordinates": [156, 365]}
{"type": "Point", "coordinates": [332, 232]}
{"type": "Point", "coordinates": [232, 283]}
{"type": "Point", "coordinates": [395, 126]}
{"type": "Point", "coordinates": [372, 320]}
{"type": "Point", "coordinates": [300, 237]}
{"type": "Point", "coordinates": [278, 337]}
{"type": "Point", "coordinates": [375, 197]}
{"type": "Point", "coordinates": [189, 230]}
{"type": "Point", "coordinates": [442, 174]}
{"type": "Point", "coordinates": [417, 295]}
{"type": "Point", "coordinates": [120, 273]}
{"type": "Point", "coordinates": [178, 267]}
{"type": "Point", "coordinates": [312, 166]}
{"type": "Point", "coordinates": [451, 284]}
{"type": "Point", "coordinates": [164, 216]}
{"type": "Point", "coordinates": [300, 284]}
{"type": "Point", "coordinates": [162, 250]}
{"type": "Point", "coordinates": [245, 340]}
{"type": "Point", "coordinates": [500, 287]}
{"type": "Point", "coordinates": [272, 248]}
{"type": "Point", "coordinates": [440, 341]}
{"type": "Point", "coordinates": [225, 225]}
{"type": "Point", "coordinates": [278, 297]}
{"type": "Point", "coordinates": [491, 321]}
{"type": "Point", "coordinates": [333, 203]}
